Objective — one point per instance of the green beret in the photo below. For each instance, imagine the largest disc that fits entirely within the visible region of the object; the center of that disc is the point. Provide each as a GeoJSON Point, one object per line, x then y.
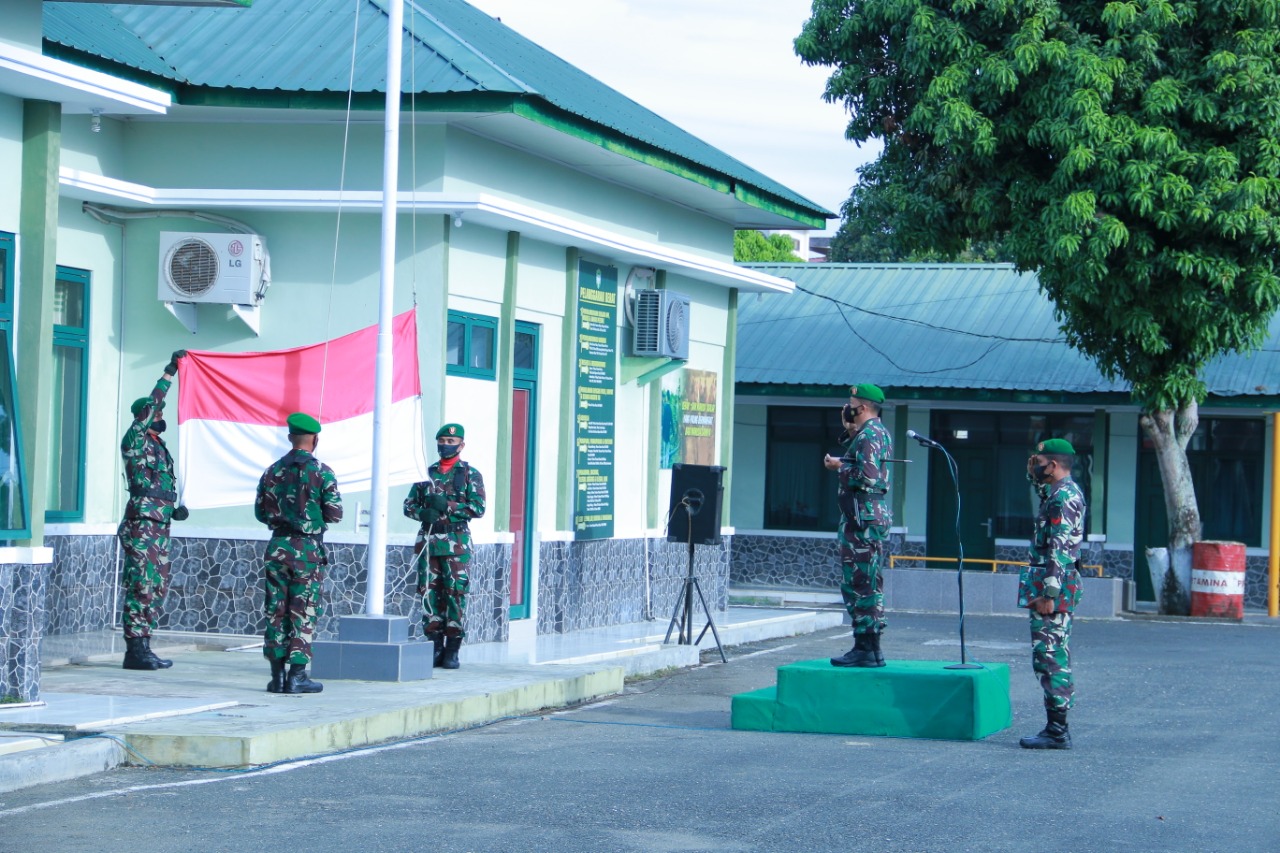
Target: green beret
{"type": "Point", "coordinates": [300, 423]}
{"type": "Point", "coordinates": [1056, 446]}
{"type": "Point", "coordinates": [867, 391]}
{"type": "Point", "coordinates": [139, 404]}
{"type": "Point", "coordinates": [452, 430]}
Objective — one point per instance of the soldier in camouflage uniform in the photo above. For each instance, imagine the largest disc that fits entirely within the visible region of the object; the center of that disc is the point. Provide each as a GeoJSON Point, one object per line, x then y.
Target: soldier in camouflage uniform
{"type": "Point", "coordinates": [444, 503]}
{"type": "Point", "coordinates": [144, 531]}
{"type": "Point", "coordinates": [298, 499]}
{"type": "Point", "coordinates": [1050, 586]}
{"type": "Point", "coordinates": [865, 518]}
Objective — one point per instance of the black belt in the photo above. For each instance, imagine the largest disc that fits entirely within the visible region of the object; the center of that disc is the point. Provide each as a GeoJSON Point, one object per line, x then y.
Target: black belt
{"type": "Point", "coordinates": [446, 527]}
{"type": "Point", "coordinates": [293, 533]}
{"type": "Point", "coordinates": [162, 494]}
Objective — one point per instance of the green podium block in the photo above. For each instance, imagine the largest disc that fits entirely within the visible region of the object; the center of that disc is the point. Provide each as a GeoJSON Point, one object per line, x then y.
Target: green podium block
{"type": "Point", "coordinates": [919, 699]}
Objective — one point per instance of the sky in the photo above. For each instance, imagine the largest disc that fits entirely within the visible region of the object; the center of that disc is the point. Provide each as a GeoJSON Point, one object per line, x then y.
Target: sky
{"type": "Point", "coordinates": [723, 70]}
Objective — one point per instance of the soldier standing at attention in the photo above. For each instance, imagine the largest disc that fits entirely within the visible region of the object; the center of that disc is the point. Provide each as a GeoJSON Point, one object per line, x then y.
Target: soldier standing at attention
{"type": "Point", "coordinates": [1050, 586]}
{"type": "Point", "coordinates": [444, 503]}
{"type": "Point", "coordinates": [865, 518]}
{"type": "Point", "coordinates": [298, 499]}
{"type": "Point", "coordinates": [144, 531]}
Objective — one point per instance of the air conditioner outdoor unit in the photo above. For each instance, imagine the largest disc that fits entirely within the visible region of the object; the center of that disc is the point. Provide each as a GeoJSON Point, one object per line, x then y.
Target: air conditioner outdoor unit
{"type": "Point", "coordinates": [661, 324]}
{"type": "Point", "coordinates": [225, 268]}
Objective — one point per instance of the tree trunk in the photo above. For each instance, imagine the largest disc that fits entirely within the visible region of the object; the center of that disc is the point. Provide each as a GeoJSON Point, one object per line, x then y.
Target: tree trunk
{"type": "Point", "coordinates": [1170, 432]}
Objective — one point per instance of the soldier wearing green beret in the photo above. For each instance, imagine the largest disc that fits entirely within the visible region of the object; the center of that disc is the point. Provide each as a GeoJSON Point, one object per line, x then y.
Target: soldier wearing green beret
{"type": "Point", "coordinates": [865, 518]}
{"type": "Point", "coordinates": [444, 503]}
{"type": "Point", "coordinates": [298, 499]}
{"type": "Point", "coordinates": [1050, 586]}
{"type": "Point", "coordinates": [144, 530]}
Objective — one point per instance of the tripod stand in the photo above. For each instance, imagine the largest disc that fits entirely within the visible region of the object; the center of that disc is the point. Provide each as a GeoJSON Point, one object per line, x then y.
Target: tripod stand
{"type": "Point", "coordinates": [683, 614]}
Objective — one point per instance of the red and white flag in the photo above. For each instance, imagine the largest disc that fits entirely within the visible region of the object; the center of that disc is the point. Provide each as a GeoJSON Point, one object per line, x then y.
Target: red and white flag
{"type": "Point", "coordinates": [232, 409]}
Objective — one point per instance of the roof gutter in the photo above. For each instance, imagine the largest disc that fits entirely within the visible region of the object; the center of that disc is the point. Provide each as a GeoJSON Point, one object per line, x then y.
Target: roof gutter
{"type": "Point", "coordinates": [481, 209]}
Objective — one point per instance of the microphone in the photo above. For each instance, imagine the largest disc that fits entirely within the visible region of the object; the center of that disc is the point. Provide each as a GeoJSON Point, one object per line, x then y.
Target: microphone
{"type": "Point", "coordinates": [924, 440]}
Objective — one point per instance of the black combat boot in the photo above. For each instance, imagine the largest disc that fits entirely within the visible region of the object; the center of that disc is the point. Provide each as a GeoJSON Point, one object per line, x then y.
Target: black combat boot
{"type": "Point", "coordinates": [160, 662]}
{"type": "Point", "coordinates": [449, 660]}
{"type": "Point", "coordinates": [875, 647]}
{"type": "Point", "coordinates": [1053, 736]}
{"type": "Point", "coordinates": [299, 682]}
{"type": "Point", "coordinates": [276, 684]}
{"type": "Point", "coordinates": [862, 653]}
{"type": "Point", "coordinates": [437, 640]}
{"type": "Point", "coordinates": [138, 656]}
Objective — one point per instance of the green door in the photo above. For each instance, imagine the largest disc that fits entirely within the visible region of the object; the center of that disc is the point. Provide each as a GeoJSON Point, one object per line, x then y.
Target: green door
{"type": "Point", "coordinates": [976, 466]}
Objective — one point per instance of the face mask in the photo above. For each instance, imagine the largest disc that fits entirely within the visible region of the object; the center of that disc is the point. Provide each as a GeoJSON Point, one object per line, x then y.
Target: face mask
{"type": "Point", "coordinates": [447, 451]}
{"type": "Point", "coordinates": [158, 425]}
{"type": "Point", "coordinates": [1040, 472]}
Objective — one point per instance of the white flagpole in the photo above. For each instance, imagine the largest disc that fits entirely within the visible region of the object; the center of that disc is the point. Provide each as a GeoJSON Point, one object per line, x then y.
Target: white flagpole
{"type": "Point", "coordinates": [375, 590]}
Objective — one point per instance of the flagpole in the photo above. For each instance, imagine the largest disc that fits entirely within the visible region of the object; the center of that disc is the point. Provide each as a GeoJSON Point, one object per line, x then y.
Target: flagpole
{"type": "Point", "coordinates": [375, 590]}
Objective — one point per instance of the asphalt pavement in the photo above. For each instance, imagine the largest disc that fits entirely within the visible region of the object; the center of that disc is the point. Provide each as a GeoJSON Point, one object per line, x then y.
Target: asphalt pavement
{"type": "Point", "coordinates": [1175, 750]}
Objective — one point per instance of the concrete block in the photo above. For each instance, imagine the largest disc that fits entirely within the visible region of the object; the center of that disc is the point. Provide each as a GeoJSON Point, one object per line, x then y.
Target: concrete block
{"type": "Point", "coordinates": [372, 661]}
{"type": "Point", "coordinates": [373, 629]}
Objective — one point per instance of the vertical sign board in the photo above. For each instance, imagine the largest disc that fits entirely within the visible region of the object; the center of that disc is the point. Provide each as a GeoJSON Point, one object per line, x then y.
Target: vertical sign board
{"type": "Point", "coordinates": [597, 380]}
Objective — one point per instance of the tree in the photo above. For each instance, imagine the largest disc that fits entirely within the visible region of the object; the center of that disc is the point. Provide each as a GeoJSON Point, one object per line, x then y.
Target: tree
{"type": "Point", "coordinates": [754, 247]}
{"type": "Point", "coordinates": [1130, 151]}
{"type": "Point", "coordinates": [866, 234]}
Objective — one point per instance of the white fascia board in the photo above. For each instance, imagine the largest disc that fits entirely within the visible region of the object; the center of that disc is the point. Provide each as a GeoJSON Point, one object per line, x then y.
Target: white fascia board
{"type": "Point", "coordinates": [475, 208]}
{"type": "Point", "coordinates": [34, 76]}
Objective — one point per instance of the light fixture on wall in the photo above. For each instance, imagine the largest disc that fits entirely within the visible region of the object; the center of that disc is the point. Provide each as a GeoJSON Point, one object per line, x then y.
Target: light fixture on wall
{"type": "Point", "coordinates": [95, 121]}
{"type": "Point", "coordinates": [457, 220]}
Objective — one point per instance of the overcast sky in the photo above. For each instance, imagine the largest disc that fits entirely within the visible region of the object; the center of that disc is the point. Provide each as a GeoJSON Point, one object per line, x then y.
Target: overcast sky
{"type": "Point", "coordinates": [724, 70]}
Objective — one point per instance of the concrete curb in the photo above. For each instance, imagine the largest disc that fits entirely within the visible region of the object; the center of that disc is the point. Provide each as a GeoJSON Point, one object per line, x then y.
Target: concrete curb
{"type": "Point", "coordinates": [60, 762]}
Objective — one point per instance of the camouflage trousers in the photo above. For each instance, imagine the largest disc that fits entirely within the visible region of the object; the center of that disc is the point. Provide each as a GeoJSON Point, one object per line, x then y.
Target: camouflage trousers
{"type": "Point", "coordinates": [443, 583]}
{"type": "Point", "coordinates": [863, 555]}
{"type": "Point", "coordinates": [292, 581]}
{"type": "Point", "coordinates": [1051, 659]}
{"type": "Point", "coordinates": [145, 578]}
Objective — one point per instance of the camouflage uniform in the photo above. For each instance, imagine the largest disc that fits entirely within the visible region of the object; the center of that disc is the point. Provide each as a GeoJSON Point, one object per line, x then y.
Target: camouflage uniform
{"type": "Point", "coordinates": [443, 549]}
{"type": "Point", "coordinates": [144, 531]}
{"type": "Point", "coordinates": [864, 524]}
{"type": "Point", "coordinates": [1054, 573]}
{"type": "Point", "coordinates": [298, 499]}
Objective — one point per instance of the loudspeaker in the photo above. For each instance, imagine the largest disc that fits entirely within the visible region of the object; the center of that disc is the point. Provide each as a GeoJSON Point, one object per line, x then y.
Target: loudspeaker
{"type": "Point", "coordinates": [703, 486]}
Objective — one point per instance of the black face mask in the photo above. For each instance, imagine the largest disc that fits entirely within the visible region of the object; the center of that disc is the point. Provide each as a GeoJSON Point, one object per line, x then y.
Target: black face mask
{"type": "Point", "coordinates": [447, 451]}
{"type": "Point", "coordinates": [1040, 472]}
{"type": "Point", "coordinates": [158, 426]}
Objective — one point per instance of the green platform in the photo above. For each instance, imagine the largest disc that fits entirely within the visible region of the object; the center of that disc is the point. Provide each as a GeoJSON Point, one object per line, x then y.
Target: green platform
{"type": "Point", "coordinates": [909, 698]}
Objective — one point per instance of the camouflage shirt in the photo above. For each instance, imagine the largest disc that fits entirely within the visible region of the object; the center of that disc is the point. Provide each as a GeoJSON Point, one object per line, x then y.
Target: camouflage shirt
{"type": "Point", "coordinates": [148, 467]}
{"type": "Point", "coordinates": [1055, 546]}
{"type": "Point", "coordinates": [864, 474]}
{"type": "Point", "coordinates": [298, 494]}
{"type": "Point", "coordinates": [463, 488]}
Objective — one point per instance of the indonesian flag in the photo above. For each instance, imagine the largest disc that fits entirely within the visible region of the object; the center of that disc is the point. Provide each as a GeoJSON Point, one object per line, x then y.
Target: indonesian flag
{"type": "Point", "coordinates": [232, 409]}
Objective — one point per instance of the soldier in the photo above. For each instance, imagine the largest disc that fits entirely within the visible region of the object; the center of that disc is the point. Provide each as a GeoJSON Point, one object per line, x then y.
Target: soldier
{"type": "Point", "coordinates": [1050, 586]}
{"type": "Point", "coordinates": [865, 518]}
{"type": "Point", "coordinates": [144, 531]}
{"type": "Point", "coordinates": [298, 499]}
{"type": "Point", "coordinates": [444, 503]}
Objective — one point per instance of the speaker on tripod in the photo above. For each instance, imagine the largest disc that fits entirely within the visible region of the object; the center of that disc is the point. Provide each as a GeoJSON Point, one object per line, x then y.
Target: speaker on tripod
{"type": "Point", "coordinates": [694, 518]}
{"type": "Point", "coordinates": [702, 487]}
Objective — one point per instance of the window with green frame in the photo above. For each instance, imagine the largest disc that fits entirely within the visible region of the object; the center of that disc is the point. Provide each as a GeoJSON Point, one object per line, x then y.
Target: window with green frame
{"type": "Point", "coordinates": [69, 399]}
{"type": "Point", "coordinates": [14, 522]}
{"type": "Point", "coordinates": [471, 345]}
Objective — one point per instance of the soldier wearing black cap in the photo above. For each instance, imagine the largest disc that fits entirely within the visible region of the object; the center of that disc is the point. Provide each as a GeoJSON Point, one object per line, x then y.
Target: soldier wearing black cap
{"type": "Point", "coordinates": [144, 531]}
{"type": "Point", "coordinates": [298, 499]}
{"type": "Point", "coordinates": [865, 518]}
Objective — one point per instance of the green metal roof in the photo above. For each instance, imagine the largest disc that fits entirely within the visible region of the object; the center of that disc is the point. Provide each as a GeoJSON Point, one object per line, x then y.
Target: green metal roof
{"type": "Point", "coordinates": [981, 327]}
{"type": "Point", "coordinates": [456, 59]}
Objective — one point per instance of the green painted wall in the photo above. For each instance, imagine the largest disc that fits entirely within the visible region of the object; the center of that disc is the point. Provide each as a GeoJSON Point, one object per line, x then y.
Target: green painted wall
{"type": "Point", "coordinates": [1122, 477]}
{"type": "Point", "coordinates": [750, 450]}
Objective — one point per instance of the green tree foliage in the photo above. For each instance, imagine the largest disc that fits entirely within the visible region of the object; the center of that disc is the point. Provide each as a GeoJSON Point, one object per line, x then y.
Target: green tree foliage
{"type": "Point", "coordinates": [1128, 151]}
{"type": "Point", "coordinates": [866, 235]}
{"type": "Point", "coordinates": [754, 247]}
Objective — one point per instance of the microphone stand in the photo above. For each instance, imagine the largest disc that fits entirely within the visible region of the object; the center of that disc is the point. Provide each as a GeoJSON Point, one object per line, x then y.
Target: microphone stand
{"type": "Point", "coordinates": [955, 480]}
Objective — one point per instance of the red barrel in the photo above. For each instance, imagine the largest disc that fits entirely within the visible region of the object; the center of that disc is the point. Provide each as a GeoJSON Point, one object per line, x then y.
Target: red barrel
{"type": "Point", "coordinates": [1217, 579]}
